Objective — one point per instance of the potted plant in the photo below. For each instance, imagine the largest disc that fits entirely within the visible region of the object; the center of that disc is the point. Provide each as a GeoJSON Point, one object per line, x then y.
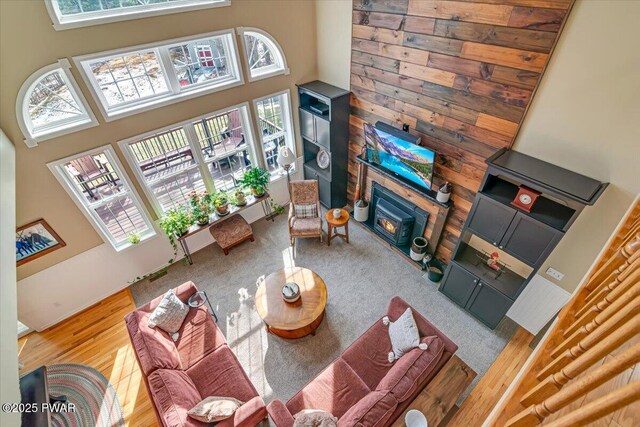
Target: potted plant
{"type": "Point", "coordinates": [134, 237]}
{"type": "Point", "coordinates": [221, 202]}
{"type": "Point", "coordinates": [257, 180]}
{"type": "Point", "coordinates": [239, 198]}
{"type": "Point", "coordinates": [176, 222]}
{"type": "Point", "coordinates": [201, 207]}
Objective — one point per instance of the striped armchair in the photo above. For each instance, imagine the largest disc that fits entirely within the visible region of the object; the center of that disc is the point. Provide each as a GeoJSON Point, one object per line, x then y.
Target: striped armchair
{"type": "Point", "coordinates": [304, 196]}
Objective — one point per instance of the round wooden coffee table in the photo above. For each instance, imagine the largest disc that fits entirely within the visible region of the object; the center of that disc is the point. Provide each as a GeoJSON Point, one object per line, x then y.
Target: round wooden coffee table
{"type": "Point", "coordinates": [292, 320]}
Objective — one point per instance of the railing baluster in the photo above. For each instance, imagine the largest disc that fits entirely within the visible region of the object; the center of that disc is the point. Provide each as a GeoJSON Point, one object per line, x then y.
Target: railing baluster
{"type": "Point", "coordinates": [535, 414]}
{"type": "Point", "coordinates": [553, 383]}
{"type": "Point", "coordinates": [618, 314]}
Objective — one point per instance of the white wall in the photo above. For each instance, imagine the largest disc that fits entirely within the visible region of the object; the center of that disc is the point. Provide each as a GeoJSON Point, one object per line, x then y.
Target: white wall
{"type": "Point", "coordinates": [586, 117]}
{"type": "Point", "coordinates": [333, 41]}
{"type": "Point", "coordinates": [9, 389]}
{"type": "Point", "coordinates": [66, 288]}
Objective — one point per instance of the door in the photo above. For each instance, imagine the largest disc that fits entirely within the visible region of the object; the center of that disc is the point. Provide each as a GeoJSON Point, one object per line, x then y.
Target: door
{"type": "Point", "coordinates": [488, 305]}
{"type": "Point", "coordinates": [529, 240]}
{"type": "Point", "coordinates": [324, 186]}
{"type": "Point", "coordinates": [458, 284]}
{"type": "Point", "coordinates": [490, 219]}
{"type": "Point", "coordinates": [307, 125]}
{"type": "Point", "coordinates": [323, 132]}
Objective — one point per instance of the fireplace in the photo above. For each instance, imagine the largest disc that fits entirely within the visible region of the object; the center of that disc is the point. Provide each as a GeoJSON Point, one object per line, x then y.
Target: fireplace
{"type": "Point", "coordinates": [394, 218]}
{"type": "Point", "coordinates": [393, 223]}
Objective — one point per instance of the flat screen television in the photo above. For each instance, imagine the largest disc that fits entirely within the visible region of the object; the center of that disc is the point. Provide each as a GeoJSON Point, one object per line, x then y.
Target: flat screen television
{"type": "Point", "coordinates": [399, 156]}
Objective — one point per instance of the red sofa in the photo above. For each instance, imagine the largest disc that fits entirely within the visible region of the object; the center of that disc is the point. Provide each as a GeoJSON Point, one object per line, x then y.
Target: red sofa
{"type": "Point", "coordinates": [361, 387]}
{"type": "Point", "coordinates": [180, 374]}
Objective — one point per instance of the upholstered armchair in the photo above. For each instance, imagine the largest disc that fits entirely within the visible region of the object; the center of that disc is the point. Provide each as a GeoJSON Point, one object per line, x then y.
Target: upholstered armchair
{"type": "Point", "coordinates": [305, 216]}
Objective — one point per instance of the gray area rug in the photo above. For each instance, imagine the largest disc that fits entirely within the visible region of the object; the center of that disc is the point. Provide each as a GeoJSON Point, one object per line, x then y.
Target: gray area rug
{"type": "Point", "coordinates": [361, 278]}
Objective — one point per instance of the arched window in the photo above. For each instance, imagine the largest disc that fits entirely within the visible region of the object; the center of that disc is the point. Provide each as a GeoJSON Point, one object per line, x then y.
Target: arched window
{"type": "Point", "coordinates": [263, 54]}
{"type": "Point", "coordinates": [50, 104]}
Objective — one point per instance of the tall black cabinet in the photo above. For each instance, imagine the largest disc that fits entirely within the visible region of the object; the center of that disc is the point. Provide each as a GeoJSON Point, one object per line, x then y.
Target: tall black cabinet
{"type": "Point", "coordinates": [528, 237]}
{"type": "Point", "coordinates": [324, 125]}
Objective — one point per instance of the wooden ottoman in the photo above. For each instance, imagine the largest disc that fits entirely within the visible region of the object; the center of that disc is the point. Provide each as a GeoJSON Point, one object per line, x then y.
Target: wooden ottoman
{"type": "Point", "coordinates": [231, 232]}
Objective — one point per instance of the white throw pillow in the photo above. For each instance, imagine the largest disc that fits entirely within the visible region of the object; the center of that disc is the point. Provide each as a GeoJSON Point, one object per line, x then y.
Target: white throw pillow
{"type": "Point", "coordinates": [314, 418]}
{"type": "Point", "coordinates": [404, 335]}
{"type": "Point", "coordinates": [213, 409]}
{"type": "Point", "coordinates": [169, 314]}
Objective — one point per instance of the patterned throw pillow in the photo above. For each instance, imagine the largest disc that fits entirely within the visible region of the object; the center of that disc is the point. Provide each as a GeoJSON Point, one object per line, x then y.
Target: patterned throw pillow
{"type": "Point", "coordinates": [404, 335]}
{"type": "Point", "coordinates": [169, 314]}
{"type": "Point", "coordinates": [213, 409]}
{"type": "Point", "coordinates": [306, 211]}
{"type": "Point", "coordinates": [314, 418]}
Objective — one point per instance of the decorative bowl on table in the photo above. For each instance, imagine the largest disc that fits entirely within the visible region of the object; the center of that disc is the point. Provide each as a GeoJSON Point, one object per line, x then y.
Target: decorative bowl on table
{"type": "Point", "coordinates": [291, 292]}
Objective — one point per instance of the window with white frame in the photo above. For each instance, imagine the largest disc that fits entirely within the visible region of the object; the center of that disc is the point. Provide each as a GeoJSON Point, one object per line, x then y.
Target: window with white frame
{"type": "Point", "coordinates": [131, 80]}
{"type": "Point", "coordinates": [97, 183]}
{"type": "Point", "coordinates": [79, 13]}
{"type": "Point", "coordinates": [264, 55]}
{"type": "Point", "coordinates": [210, 152]}
{"type": "Point", "coordinates": [275, 127]}
{"type": "Point", "coordinates": [49, 104]}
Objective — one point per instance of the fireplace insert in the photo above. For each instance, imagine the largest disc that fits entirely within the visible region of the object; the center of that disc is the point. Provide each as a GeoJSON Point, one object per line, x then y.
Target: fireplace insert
{"type": "Point", "coordinates": [393, 223]}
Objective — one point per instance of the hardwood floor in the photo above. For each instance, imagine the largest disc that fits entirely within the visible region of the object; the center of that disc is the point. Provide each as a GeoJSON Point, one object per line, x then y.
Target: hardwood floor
{"type": "Point", "coordinates": [96, 337]}
{"type": "Point", "coordinates": [494, 383]}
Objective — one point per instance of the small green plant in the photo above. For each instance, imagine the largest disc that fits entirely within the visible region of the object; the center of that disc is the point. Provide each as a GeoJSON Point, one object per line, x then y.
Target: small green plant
{"type": "Point", "coordinates": [255, 179]}
{"type": "Point", "coordinates": [201, 206]}
{"type": "Point", "coordinates": [175, 223]}
{"type": "Point", "coordinates": [238, 198]}
{"type": "Point", "coordinates": [134, 237]}
{"type": "Point", "coordinates": [221, 202]}
{"type": "Point", "coordinates": [276, 208]}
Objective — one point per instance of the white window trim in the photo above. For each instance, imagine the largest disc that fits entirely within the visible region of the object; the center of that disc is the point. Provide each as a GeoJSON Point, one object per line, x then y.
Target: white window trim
{"type": "Point", "coordinates": [61, 22]}
{"type": "Point", "coordinates": [288, 118]}
{"type": "Point", "coordinates": [175, 93]}
{"type": "Point", "coordinates": [278, 50]}
{"type": "Point", "coordinates": [195, 149]}
{"type": "Point", "coordinates": [56, 168]}
{"type": "Point", "coordinates": [22, 108]}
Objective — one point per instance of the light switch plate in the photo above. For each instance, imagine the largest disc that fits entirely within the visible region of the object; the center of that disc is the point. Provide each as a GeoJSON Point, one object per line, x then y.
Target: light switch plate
{"type": "Point", "coordinates": [554, 273]}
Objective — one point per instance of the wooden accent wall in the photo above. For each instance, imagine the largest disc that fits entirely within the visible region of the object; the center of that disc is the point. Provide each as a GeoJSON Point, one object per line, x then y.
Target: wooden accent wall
{"type": "Point", "coordinates": [461, 74]}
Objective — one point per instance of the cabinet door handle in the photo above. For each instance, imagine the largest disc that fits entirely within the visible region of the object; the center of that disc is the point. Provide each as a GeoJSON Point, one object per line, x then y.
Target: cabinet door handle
{"type": "Point", "coordinates": [480, 285]}
{"type": "Point", "coordinates": [495, 243]}
{"type": "Point", "coordinates": [475, 281]}
{"type": "Point", "coordinates": [500, 246]}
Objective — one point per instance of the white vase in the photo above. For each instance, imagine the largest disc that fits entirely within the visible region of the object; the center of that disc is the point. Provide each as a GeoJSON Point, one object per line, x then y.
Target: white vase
{"type": "Point", "coordinates": [361, 214]}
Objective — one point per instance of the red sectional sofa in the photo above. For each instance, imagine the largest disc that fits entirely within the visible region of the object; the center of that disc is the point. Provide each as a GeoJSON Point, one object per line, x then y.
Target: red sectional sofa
{"type": "Point", "coordinates": [361, 387]}
{"type": "Point", "coordinates": [180, 374]}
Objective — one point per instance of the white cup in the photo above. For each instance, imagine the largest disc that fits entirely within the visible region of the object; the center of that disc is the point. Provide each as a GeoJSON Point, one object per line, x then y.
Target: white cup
{"type": "Point", "coordinates": [336, 213]}
{"type": "Point", "coordinates": [415, 418]}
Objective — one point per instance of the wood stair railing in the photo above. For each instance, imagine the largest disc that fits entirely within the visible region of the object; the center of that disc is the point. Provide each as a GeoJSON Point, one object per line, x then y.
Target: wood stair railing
{"type": "Point", "coordinates": [587, 367]}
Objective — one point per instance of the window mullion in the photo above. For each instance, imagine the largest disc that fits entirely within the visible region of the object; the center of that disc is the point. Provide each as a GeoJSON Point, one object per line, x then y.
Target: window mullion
{"type": "Point", "coordinates": [169, 71]}
{"type": "Point", "coordinates": [192, 138]}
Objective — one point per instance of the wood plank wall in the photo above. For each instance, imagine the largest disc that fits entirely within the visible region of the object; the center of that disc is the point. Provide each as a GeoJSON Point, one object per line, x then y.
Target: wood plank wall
{"type": "Point", "coordinates": [461, 74]}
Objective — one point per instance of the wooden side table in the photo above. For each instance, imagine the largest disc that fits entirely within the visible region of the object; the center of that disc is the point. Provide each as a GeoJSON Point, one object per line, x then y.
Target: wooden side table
{"type": "Point", "coordinates": [334, 223]}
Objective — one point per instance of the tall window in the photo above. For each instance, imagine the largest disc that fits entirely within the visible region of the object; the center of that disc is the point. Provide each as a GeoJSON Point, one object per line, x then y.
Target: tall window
{"type": "Point", "coordinates": [97, 183]}
{"type": "Point", "coordinates": [210, 153]}
{"type": "Point", "coordinates": [49, 104]}
{"type": "Point", "coordinates": [79, 13]}
{"type": "Point", "coordinates": [275, 126]}
{"type": "Point", "coordinates": [131, 80]}
{"type": "Point", "coordinates": [264, 55]}
{"type": "Point", "coordinates": [168, 167]}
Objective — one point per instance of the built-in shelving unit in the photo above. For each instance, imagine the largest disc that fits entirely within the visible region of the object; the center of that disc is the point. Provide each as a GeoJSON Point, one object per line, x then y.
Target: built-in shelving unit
{"type": "Point", "coordinates": [527, 238]}
{"type": "Point", "coordinates": [324, 126]}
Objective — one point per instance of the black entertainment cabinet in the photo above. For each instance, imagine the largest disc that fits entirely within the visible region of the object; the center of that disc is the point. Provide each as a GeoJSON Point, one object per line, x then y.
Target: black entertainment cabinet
{"type": "Point", "coordinates": [324, 125]}
{"type": "Point", "coordinates": [528, 237]}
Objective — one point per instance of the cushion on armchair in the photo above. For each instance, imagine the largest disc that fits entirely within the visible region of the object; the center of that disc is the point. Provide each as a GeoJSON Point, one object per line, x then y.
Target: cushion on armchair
{"type": "Point", "coordinates": [306, 211]}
